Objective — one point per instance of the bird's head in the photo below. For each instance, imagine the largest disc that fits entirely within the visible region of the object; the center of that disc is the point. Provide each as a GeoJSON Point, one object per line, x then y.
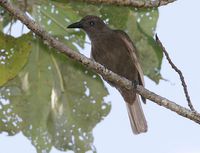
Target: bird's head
{"type": "Point", "coordinates": [90, 24]}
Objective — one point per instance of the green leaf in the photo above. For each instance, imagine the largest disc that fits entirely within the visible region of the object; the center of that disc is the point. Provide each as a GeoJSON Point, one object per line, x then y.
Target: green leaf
{"type": "Point", "coordinates": [14, 53]}
{"type": "Point", "coordinates": [116, 21]}
{"type": "Point", "coordinates": [149, 49]}
{"type": "Point", "coordinates": [56, 100]}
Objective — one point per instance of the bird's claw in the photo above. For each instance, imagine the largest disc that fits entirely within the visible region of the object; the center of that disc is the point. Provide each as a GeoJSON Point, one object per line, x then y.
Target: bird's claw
{"type": "Point", "coordinates": [135, 83]}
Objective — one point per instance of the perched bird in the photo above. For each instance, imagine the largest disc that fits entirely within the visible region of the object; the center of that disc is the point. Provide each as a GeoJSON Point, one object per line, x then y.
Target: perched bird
{"type": "Point", "coordinates": [115, 51]}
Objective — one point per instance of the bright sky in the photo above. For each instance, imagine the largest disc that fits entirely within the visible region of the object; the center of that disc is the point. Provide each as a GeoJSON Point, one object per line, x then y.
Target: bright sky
{"type": "Point", "coordinates": [179, 30]}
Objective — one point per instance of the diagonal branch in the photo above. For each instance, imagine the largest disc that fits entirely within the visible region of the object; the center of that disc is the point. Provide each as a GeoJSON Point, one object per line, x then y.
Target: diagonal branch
{"type": "Point", "coordinates": [179, 73]}
{"type": "Point", "coordinates": [107, 74]}
{"type": "Point", "coordinates": [134, 3]}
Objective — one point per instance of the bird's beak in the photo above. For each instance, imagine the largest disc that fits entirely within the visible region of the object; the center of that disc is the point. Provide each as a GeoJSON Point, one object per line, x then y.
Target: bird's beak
{"type": "Point", "coordinates": [75, 25]}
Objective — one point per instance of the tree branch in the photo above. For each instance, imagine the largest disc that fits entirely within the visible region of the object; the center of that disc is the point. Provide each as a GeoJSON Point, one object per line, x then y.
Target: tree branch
{"type": "Point", "coordinates": [107, 74]}
{"type": "Point", "coordinates": [134, 3]}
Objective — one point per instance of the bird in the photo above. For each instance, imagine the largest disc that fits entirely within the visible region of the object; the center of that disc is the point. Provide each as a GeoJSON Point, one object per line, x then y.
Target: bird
{"type": "Point", "coordinates": [113, 49]}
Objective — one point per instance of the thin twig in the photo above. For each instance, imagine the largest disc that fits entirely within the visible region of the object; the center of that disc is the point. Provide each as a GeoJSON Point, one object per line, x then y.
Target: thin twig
{"type": "Point", "coordinates": [98, 68]}
{"type": "Point", "coordinates": [10, 26]}
{"type": "Point", "coordinates": [179, 73]}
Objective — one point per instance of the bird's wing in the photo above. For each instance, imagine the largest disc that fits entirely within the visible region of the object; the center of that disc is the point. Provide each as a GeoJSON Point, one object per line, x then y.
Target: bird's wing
{"type": "Point", "coordinates": [132, 51]}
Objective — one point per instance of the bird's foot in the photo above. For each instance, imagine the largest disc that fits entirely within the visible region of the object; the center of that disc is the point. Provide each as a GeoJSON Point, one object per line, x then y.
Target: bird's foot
{"type": "Point", "coordinates": [135, 83]}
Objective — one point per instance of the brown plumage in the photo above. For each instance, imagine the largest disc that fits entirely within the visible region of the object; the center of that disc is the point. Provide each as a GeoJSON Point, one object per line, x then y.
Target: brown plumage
{"type": "Point", "coordinates": [115, 50]}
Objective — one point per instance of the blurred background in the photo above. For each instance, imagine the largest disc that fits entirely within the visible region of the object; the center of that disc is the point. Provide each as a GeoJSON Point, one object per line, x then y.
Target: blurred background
{"type": "Point", "coordinates": [49, 103]}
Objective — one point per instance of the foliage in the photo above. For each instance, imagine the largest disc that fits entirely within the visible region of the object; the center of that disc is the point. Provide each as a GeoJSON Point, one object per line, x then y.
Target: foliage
{"type": "Point", "coordinates": [53, 100]}
{"type": "Point", "coordinates": [13, 55]}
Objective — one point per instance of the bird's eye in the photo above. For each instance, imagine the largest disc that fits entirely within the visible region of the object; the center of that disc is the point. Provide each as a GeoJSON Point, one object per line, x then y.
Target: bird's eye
{"type": "Point", "coordinates": [92, 23]}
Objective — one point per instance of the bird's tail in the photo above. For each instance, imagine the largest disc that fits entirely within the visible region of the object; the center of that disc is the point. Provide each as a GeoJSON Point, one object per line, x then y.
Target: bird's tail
{"type": "Point", "coordinates": [136, 116]}
{"type": "Point", "coordinates": [135, 112]}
